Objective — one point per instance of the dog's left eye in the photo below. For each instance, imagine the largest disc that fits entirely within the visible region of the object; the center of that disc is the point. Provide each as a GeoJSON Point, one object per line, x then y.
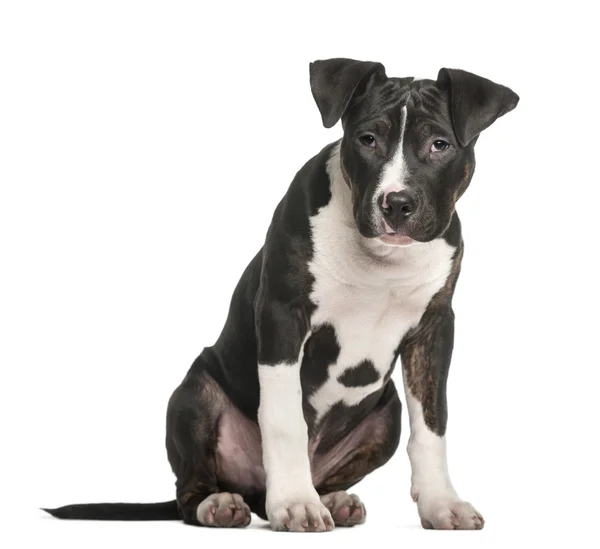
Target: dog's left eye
{"type": "Point", "coordinates": [439, 145]}
{"type": "Point", "coordinates": [367, 139]}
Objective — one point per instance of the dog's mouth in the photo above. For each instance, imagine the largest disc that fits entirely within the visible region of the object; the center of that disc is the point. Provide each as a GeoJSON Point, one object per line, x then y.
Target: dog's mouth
{"type": "Point", "coordinates": [393, 237]}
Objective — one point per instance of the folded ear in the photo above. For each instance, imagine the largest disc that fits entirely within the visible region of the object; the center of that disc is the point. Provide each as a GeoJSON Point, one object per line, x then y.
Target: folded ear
{"type": "Point", "coordinates": [475, 102]}
{"type": "Point", "coordinates": [334, 82]}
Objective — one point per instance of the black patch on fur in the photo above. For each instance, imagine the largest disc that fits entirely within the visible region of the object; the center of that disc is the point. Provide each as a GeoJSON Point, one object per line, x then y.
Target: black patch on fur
{"type": "Point", "coordinates": [320, 351]}
{"type": "Point", "coordinates": [360, 375]}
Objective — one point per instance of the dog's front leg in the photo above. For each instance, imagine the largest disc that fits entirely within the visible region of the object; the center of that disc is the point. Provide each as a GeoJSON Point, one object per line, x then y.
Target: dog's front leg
{"type": "Point", "coordinates": [426, 357]}
{"type": "Point", "coordinates": [292, 502]}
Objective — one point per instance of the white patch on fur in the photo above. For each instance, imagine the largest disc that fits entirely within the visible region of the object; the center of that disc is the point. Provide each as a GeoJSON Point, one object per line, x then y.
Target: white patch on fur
{"type": "Point", "coordinates": [393, 173]}
{"type": "Point", "coordinates": [284, 439]}
{"type": "Point", "coordinates": [427, 453]}
{"type": "Point", "coordinates": [371, 294]}
{"type": "Point", "coordinates": [431, 487]}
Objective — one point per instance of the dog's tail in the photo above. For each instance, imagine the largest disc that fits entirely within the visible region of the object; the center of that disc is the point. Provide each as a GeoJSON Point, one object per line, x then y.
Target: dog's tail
{"type": "Point", "coordinates": [167, 510]}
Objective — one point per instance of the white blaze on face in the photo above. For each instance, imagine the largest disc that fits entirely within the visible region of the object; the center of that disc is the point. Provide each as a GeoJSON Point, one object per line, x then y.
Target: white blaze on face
{"type": "Point", "coordinates": [393, 173]}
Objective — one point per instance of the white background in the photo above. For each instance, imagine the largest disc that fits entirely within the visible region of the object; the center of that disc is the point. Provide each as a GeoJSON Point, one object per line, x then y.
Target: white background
{"type": "Point", "coordinates": [143, 148]}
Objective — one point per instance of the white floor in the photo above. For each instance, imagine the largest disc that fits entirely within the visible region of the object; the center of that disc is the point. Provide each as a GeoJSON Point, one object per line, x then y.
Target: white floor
{"type": "Point", "coordinates": [394, 527]}
{"type": "Point", "coordinates": [402, 532]}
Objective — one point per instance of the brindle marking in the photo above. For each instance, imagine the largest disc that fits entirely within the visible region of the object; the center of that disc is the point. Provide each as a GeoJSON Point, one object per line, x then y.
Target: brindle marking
{"type": "Point", "coordinates": [427, 350]}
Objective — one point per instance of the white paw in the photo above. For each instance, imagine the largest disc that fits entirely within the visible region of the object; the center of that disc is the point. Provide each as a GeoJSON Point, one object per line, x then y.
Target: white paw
{"type": "Point", "coordinates": [448, 513]}
{"type": "Point", "coordinates": [299, 515]}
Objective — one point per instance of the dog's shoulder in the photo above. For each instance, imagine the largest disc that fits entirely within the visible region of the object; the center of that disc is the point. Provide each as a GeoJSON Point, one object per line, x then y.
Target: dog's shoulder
{"type": "Point", "coordinates": [289, 246]}
{"type": "Point", "coordinates": [309, 191]}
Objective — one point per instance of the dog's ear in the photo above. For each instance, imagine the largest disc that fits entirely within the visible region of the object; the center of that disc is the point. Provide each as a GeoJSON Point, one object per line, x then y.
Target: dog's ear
{"type": "Point", "coordinates": [475, 102]}
{"type": "Point", "coordinates": [334, 82]}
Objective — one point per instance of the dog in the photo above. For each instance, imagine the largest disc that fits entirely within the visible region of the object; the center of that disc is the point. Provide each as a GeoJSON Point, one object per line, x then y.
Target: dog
{"type": "Point", "coordinates": [294, 403]}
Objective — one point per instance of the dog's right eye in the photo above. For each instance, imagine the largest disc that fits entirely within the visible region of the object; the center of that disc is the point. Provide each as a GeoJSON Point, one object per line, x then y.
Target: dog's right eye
{"type": "Point", "coordinates": [368, 140]}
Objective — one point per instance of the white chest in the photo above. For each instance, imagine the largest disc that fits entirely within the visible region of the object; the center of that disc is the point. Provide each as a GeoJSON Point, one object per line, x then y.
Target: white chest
{"type": "Point", "coordinates": [369, 322]}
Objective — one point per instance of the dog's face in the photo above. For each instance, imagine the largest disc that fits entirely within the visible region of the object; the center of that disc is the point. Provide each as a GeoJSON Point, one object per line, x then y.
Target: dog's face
{"type": "Point", "coordinates": [407, 150]}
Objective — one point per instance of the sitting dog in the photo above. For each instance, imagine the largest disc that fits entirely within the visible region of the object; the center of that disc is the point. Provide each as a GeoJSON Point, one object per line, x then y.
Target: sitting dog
{"type": "Point", "coordinates": [295, 403]}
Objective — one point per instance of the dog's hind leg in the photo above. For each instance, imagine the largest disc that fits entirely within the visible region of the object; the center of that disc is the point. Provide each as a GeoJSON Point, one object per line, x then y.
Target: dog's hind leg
{"type": "Point", "coordinates": [192, 437]}
{"type": "Point", "coordinates": [367, 447]}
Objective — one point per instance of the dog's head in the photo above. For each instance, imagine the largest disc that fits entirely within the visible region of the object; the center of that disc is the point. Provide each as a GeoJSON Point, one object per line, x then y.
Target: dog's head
{"type": "Point", "coordinates": [407, 150]}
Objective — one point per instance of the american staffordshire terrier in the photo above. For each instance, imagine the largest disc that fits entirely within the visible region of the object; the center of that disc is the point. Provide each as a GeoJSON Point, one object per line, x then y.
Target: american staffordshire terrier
{"type": "Point", "coordinates": [295, 402]}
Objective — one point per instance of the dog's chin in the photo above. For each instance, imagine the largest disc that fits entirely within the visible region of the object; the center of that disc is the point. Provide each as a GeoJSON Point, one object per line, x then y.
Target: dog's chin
{"type": "Point", "coordinates": [388, 237]}
{"type": "Point", "coordinates": [396, 239]}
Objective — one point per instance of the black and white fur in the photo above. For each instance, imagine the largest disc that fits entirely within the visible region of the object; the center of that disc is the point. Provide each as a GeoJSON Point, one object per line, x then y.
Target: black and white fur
{"type": "Point", "coordinates": [295, 403]}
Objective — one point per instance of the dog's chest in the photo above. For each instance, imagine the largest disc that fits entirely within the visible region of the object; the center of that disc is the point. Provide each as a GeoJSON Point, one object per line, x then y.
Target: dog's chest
{"type": "Point", "coordinates": [355, 335]}
{"type": "Point", "coordinates": [363, 311]}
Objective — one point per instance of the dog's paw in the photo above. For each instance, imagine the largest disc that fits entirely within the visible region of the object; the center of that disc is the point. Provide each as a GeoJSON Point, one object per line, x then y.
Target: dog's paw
{"type": "Point", "coordinates": [346, 509]}
{"type": "Point", "coordinates": [448, 513]}
{"type": "Point", "coordinates": [306, 515]}
{"type": "Point", "coordinates": [225, 510]}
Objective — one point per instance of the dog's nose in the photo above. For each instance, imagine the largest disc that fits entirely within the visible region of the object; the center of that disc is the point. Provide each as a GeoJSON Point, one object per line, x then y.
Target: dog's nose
{"type": "Point", "coordinates": [397, 206]}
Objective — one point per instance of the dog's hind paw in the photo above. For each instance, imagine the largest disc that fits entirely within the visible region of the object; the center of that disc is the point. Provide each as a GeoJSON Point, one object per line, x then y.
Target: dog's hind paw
{"type": "Point", "coordinates": [346, 509]}
{"type": "Point", "coordinates": [223, 510]}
